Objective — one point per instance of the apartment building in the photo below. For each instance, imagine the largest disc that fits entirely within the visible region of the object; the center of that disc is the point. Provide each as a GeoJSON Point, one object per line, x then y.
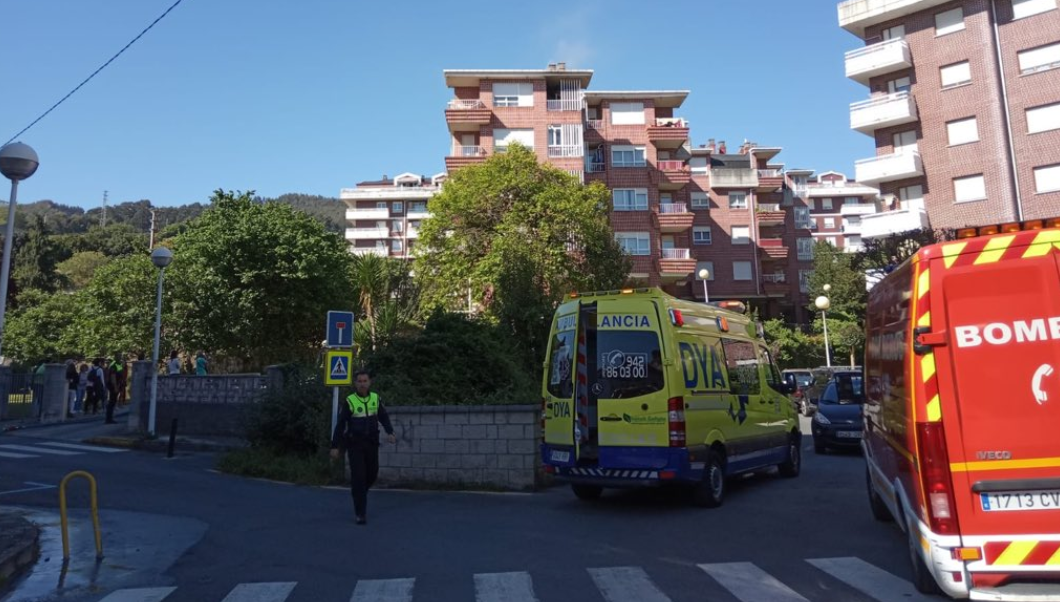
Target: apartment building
{"type": "Point", "coordinates": [832, 208]}
{"type": "Point", "coordinates": [676, 209]}
{"type": "Point", "coordinates": [963, 107]}
{"type": "Point", "coordinates": [383, 216]}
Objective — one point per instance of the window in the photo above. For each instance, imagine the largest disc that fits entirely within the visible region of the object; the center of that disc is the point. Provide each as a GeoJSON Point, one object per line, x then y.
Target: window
{"type": "Point", "coordinates": [698, 165]}
{"type": "Point", "coordinates": [851, 200]}
{"type": "Point", "coordinates": [1047, 179]}
{"type": "Point", "coordinates": [397, 245]}
{"type": "Point", "coordinates": [963, 131]}
{"type": "Point", "coordinates": [627, 113]}
{"type": "Point", "coordinates": [701, 235]}
{"type": "Point", "coordinates": [905, 141]}
{"type": "Point", "coordinates": [1042, 58]}
{"type": "Point", "coordinates": [912, 197]}
{"type": "Point", "coordinates": [502, 138]}
{"type": "Point", "coordinates": [893, 33]}
{"type": "Point", "coordinates": [955, 75]}
{"type": "Point", "coordinates": [1043, 119]}
{"type": "Point", "coordinates": [802, 217]}
{"type": "Point", "coordinates": [741, 362]}
{"type": "Point", "coordinates": [741, 235]}
{"type": "Point", "coordinates": [630, 199]}
{"type": "Point", "coordinates": [741, 270]}
{"type": "Point", "coordinates": [397, 206]}
{"type": "Point", "coordinates": [634, 243]}
{"type": "Point", "coordinates": [804, 280]}
{"type": "Point", "coordinates": [902, 84]}
{"type": "Point", "coordinates": [737, 200]}
{"type": "Point", "coordinates": [700, 200]}
{"type": "Point", "coordinates": [513, 95]}
{"type": "Point", "coordinates": [555, 135]}
{"type": "Point", "coordinates": [381, 205]}
{"type": "Point", "coordinates": [971, 188]}
{"type": "Point", "coordinates": [773, 377]}
{"type": "Point", "coordinates": [627, 156]}
{"type": "Point", "coordinates": [829, 222]}
{"type": "Point", "coordinates": [708, 266]}
{"type": "Point", "coordinates": [949, 22]}
{"type": "Point", "coordinates": [805, 248]}
{"type": "Point", "coordinates": [1027, 8]}
{"type": "Point", "coordinates": [826, 204]}
{"type": "Point", "coordinates": [397, 226]}
{"type": "Point", "coordinates": [417, 207]}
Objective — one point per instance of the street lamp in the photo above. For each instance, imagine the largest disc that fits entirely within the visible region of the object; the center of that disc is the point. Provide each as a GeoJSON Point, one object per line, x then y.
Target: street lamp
{"type": "Point", "coordinates": [703, 275]}
{"type": "Point", "coordinates": [17, 162]}
{"type": "Point", "coordinates": [823, 304]}
{"type": "Point", "coordinates": [161, 257]}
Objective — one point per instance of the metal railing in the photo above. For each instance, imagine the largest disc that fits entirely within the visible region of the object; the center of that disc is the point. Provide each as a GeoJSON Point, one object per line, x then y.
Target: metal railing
{"type": "Point", "coordinates": [676, 254]}
{"type": "Point", "coordinates": [671, 165]}
{"type": "Point", "coordinates": [874, 48]}
{"type": "Point", "coordinates": [672, 208]}
{"type": "Point", "coordinates": [469, 151]}
{"type": "Point", "coordinates": [461, 104]}
{"type": "Point", "coordinates": [594, 124]}
{"type": "Point", "coordinates": [596, 167]}
{"type": "Point", "coordinates": [565, 151]}
{"type": "Point", "coordinates": [775, 278]}
{"type": "Point", "coordinates": [882, 99]}
{"type": "Point", "coordinates": [564, 105]}
{"type": "Point", "coordinates": [770, 173]}
{"type": "Point", "coordinates": [671, 122]}
{"type": "Point", "coordinates": [769, 207]}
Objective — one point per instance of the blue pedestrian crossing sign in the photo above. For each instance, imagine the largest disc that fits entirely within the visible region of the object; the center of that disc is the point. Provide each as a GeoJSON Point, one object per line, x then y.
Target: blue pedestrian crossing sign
{"type": "Point", "coordinates": [340, 329]}
{"type": "Point", "coordinates": [339, 365]}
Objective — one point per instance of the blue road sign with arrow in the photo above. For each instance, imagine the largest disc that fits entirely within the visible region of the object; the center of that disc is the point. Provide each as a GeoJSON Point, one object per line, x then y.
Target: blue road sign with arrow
{"type": "Point", "coordinates": [340, 329]}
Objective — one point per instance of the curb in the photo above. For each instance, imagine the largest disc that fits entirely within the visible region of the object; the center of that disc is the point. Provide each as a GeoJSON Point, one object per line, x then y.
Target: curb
{"type": "Point", "coordinates": [21, 556]}
{"type": "Point", "coordinates": [31, 425]}
{"type": "Point", "coordinates": [160, 445]}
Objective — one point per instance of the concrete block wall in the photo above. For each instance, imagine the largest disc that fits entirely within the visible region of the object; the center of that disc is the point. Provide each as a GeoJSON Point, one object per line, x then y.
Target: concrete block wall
{"type": "Point", "coordinates": [492, 447]}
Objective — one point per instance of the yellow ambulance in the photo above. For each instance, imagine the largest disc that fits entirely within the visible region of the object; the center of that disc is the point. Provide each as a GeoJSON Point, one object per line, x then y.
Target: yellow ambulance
{"type": "Point", "coordinates": [642, 389]}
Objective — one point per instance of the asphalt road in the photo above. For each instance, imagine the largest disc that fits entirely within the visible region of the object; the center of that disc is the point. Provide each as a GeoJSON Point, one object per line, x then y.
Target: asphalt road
{"type": "Point", "coordinates": [176, 524]}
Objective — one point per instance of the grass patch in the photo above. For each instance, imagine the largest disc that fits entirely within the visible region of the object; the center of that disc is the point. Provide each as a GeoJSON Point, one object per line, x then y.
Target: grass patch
{"type": "Point", "coordinates": [264, 463]}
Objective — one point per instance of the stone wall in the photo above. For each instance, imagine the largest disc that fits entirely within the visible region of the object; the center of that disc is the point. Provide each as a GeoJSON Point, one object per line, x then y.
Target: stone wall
{"type": "Point", "coordinates": [491, 447]}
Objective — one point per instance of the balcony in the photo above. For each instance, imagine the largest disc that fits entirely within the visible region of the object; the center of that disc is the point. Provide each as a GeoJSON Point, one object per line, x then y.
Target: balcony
{"type": "Point", "coordinates": [467, 115]}
{"type": "Point", "coordinates": [770, 214]}
{"type": "Point", "coordinates": [418, 213]}
{"type": "Point", "coordinates": [674, 217]}
{"type": "Point", "coordinates": [367, 233]}
{"type": "Point", "coordinates": [878, 59]}
{"type": "Point", "coordinates": [774, 248]}
{"type": "Point", "coordinates": [729, 177]}
{"type": "Point", "coordinates": [566, 152]}
{"type": "Point", "coordinates": [857, 209]}
{"type": "Point", "coordinates": [565, 104]}
{"type": "Point", "coordinates": [888, 168]}
{"type": "Point", "coordinates": [883, 111]}
{"type": "Point", "coordinates": [888, 223]}
{"type": "Point", "coordinates": [806, 224]}
{"type": "Point", "coordinates": [463, 156]}
{"type": "Point", "coordinates": [852, 228]}
{"type": "Point", "coordinates": [413, 233]}
{"type": "Point", "coordinates": [668, 132]}
{"type": "Point", "coordinates": [672, 175]}
{"type": "Point", "coordinates": [367, 214]}
{"type": "Point", "coordinates": [775, 284]}
{"type": "Point", "coordinates": [857, 15]}
{"type": "Point", "coordinates": [675, 264]}
{"type": "Point", "coordinates": [770, 180]}
{"type": "Point", "coordinates": [380, 251]}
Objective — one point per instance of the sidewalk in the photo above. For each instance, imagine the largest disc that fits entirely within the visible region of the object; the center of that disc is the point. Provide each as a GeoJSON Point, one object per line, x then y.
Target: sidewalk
{"type": "Point", "coordinates": [18, 546]}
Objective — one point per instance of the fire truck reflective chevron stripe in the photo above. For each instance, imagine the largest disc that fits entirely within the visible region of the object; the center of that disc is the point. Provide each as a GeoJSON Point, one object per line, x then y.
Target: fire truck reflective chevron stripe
{"type": "Point", "coordinates": [1023, 553]}
{"type": "Point", "coordinates": [928, 372]}
{"type": "Point", "coordinates": [1044, 242]}
{"type": "Point", "coordinates": [952, 251]}
{"type": "Point", "coordinates": [611, 473]}
{"type": "Point", "coordinates": [991, 249]}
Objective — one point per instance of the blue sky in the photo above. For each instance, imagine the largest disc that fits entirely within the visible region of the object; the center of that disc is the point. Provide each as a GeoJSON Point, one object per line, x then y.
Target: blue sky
{"type": "Point", "coordinates": [315, 95]}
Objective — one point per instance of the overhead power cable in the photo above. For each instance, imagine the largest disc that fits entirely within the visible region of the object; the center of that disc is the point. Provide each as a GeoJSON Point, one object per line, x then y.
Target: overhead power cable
{"type": "Point", "coordinates": [96, 72]}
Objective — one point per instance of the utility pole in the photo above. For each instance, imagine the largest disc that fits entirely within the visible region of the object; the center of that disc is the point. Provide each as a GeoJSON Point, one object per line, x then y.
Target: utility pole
{"type": "Point", "coordinates": [103, 218]}
{"type": "Point", "coordinates": [151, 245]}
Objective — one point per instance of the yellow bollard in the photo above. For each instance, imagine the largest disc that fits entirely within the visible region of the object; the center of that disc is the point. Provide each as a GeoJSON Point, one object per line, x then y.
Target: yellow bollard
{"type": "Point", "coordinates": [95, 513]}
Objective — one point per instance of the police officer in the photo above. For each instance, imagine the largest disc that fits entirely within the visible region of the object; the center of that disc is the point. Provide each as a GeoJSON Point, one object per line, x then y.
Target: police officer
{"type": "Point", "coordinates": [358, 430]}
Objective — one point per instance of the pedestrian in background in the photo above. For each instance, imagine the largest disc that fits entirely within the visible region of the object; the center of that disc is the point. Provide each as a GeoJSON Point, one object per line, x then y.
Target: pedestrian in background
{"type": "Point", "coordinates": [173, 367]}
{"type": "Point", "coordinates": [358, 431]}
{"type": "Point", "coordinates": [82, 386]}
{"type": "Point", "coordinates": [200, 364]}
{"type": "Point", "coordinates": [71, 388]}
{"type": "Point", "coordinates": [100, 383]}
{"type": "Point", "coordinates": [121, 376]}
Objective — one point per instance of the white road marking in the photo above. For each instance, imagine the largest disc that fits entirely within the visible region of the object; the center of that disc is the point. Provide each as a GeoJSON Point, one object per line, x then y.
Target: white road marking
{"type": "Point", "coordinates": [149, 594]}
{"type": "Point", "coordinates": [91, 448]}
{"type": "Point", "coordinates": [260, 592]}
{"type": "Point", "coordinates": [626, 584]}
{"type": "Point", "coordinates": [504, 587]}
{"type": "Point", "coordinates": [40, 450]}
{"type": "Point", "coordinates": [15, 456]}
{"type": "Point", "coordinates": [874, 582]}
{"type": "Point", "coordinates": [383, 590]}
{"type": "Point", "coordinates": [750, 583]}
{"type": "Point", "coordinates": [35, 487]}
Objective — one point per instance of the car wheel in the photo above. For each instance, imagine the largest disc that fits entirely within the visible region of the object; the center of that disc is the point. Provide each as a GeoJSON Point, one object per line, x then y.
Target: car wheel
{"type": "Point", "coordinates": [791, 467]}
{"type": "Point", "coordinates": [923, 580]}
{"type": "Point", "coordinates": [710, 492]}
{"type": "Point", "coordinates": [587, 493]}
{"type": "Point", "coordinates": [879, 510]}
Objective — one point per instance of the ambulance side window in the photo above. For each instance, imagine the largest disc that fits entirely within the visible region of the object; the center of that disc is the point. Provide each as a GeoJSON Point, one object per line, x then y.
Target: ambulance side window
{"type": "Point", "coordinates": [741, 360]}
{"type": "Point", "coordinates": [562, 357]}
{"type": "Point", "coordinates": [773, 377]}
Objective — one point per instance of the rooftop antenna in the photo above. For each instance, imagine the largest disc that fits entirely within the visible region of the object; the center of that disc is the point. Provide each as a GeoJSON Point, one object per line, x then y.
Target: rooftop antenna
{"type": "Point", "coordinates": [103, 218]}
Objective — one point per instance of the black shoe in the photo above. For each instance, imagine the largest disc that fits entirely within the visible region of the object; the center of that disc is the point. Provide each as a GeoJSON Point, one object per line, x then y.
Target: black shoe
{"type": "Point", "coordinates": [361, 520]}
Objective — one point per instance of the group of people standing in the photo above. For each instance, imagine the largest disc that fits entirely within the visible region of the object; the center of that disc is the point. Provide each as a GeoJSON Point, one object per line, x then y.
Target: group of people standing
{"type": "Point", "coordinates": [198, 367]}
{"type": "Point", "coordinates": [99, 382]}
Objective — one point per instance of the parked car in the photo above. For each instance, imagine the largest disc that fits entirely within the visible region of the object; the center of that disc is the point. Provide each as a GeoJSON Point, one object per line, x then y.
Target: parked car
{"type": "Point", "coordinates": [838, 421]}
{"type": "Point", "coordinates": [802, 379]}
{"type": "Point", "coordinates": [821, 377]}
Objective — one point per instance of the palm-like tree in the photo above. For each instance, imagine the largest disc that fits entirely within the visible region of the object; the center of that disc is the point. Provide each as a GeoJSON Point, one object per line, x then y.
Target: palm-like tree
{"type": "Point", "coordinates": [370, 281]}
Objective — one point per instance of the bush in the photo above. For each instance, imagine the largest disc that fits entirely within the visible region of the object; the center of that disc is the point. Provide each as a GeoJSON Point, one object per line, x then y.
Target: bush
{"type": "Point", "coordinates": [295, 419]}
{"type": "Point", "coordinates": [264, 463]}
{"type": "Point", "coordinates": [453, 360]}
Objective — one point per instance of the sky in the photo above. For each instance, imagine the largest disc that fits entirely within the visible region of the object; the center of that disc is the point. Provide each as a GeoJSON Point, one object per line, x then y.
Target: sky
{"type": "Point", "coordinates": [312, 96]}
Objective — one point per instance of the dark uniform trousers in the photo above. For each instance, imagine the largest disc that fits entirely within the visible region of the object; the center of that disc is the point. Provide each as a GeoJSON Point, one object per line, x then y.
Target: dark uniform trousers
{"type": "Point", "coordinates": [363, 454]}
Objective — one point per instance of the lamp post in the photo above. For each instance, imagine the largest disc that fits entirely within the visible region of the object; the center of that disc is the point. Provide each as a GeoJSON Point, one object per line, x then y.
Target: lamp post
{"type": "Point", "coordinates": [161, 257]}
{"type": "Point", "coordinates": [17, 162]}
{"type": "Point", "coordinates": [704, 274]}
{"type": "Point", "coordinates": [823, 304]}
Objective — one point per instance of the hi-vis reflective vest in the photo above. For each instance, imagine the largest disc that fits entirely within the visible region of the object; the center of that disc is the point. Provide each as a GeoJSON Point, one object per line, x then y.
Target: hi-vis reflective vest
{"type": "Point", "coordinates": [363, 408]}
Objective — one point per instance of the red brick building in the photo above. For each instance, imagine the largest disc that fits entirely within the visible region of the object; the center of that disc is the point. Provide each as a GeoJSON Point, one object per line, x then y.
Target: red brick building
{"type": "Point", "coordinates": [383, 216]}
{"type": "Point", "coordinates": [677, 209]}
{"type": "Point", "coordinates": [964, 109]}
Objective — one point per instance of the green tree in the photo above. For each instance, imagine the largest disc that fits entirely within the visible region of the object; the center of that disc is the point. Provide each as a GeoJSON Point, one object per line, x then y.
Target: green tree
{"type": "Point", "coordinates": [879, 253]}
{"type": "Point", "coordinates": [35, 259]}
{"type": "Point", "coordinates": [386, 296]}
{"type": "Point", "coordinates": [45, 326]}
{"type": "Point", "coordinates": [254, 281]}
{"type": "Point", "coordinates": [792, 347]}
{"type": "Point", "coordinates": [78, 270]}
{"type": "Point", "coordinates": [114, 240]}
{"type": "Point", "coordinates": [847, 338]}
{"type": "Point", "coordinates": [848, 295]}
{"type": "Point", "coordinates": [118, 313]}
{"type": "Point", "coordinates": [518, 235]}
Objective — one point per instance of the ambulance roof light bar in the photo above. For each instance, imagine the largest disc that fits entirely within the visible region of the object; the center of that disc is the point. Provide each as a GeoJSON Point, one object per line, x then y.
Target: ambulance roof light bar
{"type": "Point", "coordinates": [1034, 224]}
{"type": "Point", "coordinates": [735, 306]}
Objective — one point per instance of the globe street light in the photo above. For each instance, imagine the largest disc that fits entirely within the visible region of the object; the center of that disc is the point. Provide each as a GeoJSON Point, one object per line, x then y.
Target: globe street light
{"type": "Point", "coordinates": [823, 304]}
{"type": "Point", "coordinates": [17, 162]}
{"type": "Point", "coordinates": [161, 257]}
{"type": "Point", "coordinates": [704, 274]}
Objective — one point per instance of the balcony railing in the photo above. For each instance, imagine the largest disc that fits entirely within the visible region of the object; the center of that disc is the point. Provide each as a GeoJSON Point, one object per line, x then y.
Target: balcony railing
{"type": "Point", "coordinates": [889, 223]}
{"type": "Point", "coordinates": [889, 168]}
{"type": "Point", "coordinates": [596, 167]}
{"type": "Point", "coordinates": [770, 173]}
{"type": "Point", "coordinates": [769, 207]}
{"type": "Point", "coordinates": [671, 165]}
{"type": "Point", "coordinates": [857, 208]}
{"type": "Point", "coordinates": [671, 122]}
{"type": "Point", "coordinates": [367, 233]}
{"type": "Point", "coordinates": [673, 208]}
{"type": "Point", "coordinates": [805, 225]}
{"type": "Point", "coordinates": [418, 213]}
{"type": "Point", "coordinates": [733, 177]}
{"type": "Point", "coordinates": [865, 63]}
{"type": "Point", "coordinates": [564, 105]}
{"type": "Point", "coordinates": [775, 278]}
{"type": "Point", "coordinates": [559, 152]}
{"type": "Point", "coordinates": [595, 124]}
{"type": "Point", "coordinates": [373, 214]}
{"type": "Point", "coordinates": [887, 110]}
{"type": "Point", "coordinates": [856, 15]}
{"type": "Point", "coordinates": [469, 151]}
{"type": "Point", "coordinates": [676, 254]}
{"type": "Point", "coordinates": [461, 104]}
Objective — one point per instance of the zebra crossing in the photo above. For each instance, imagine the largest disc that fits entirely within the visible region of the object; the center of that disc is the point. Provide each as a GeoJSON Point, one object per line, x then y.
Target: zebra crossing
{"type": "Point", "coordinates": [39, 449]}
{"type": "Point", "coordinates": [743, 581]}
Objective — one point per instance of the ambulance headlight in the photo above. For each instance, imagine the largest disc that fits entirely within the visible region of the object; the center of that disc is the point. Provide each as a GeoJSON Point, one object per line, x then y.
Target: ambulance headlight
{"type": "Point", "coordinates": [820, 418]}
